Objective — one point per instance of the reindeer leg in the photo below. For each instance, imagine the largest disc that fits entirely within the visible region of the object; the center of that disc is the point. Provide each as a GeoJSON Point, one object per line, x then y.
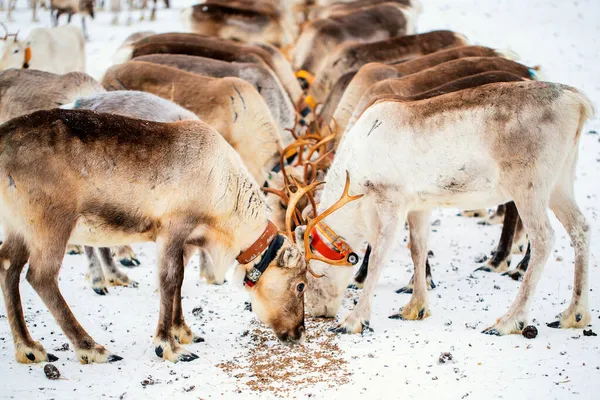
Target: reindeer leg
{"type": "Point", "coordinates": [13, 257]}
{"type": "Point", "coordinates": [418, 306]}
{"type": "Point", "coordinates": [95, 275]}
{"type": "Point", "coordinates": [114, 276]}
{"type": "Point", "coordinates": [520, 240]}
{"type": "Point", "coordinates": [126, 256]}
{"type": "Point", "coordinates": [532, 208]}
{"type": "Point", "coordinates": [361, 275]}
{"type": "Point", "coordinates": [207, 270]}
{"type": "Point", "coordinates": [500, 261]}
{"type": "Point", "coordinates": [153, 13]}
{"type": "Point", "coordinates": [562, 203]}
{"type": "Point", "coordinates": [498, 216]}
{"type": "Point", "coordinates": [171, 270]}
{"type": "Point", "coordinates": [44, 266]}
{"type": "Point", "coordinates": [518, 273]}
{"type": "Point", "coordinates": [182, 333]}
{"type": "Point", "coordinates": [83, 27]}
{"type": "Point", "coordinates": [430, 283]}
{"type": "Point", "coordinates": [384, 234]}
{"type": "Point", "coordinates": [34, 16]}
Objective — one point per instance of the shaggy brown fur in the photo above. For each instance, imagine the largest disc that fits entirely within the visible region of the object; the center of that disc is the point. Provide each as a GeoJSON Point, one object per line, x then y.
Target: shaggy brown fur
{"type": "Point", "coordinates": [230, 105]}
{"type": "Point", "coordinates": [351, 56]}
{"type": "Point", "coordinates": [86, 178]}
{"type": "Point", "coordinates": [409, 85]}
{"type": "Point", "coordinates": [320, 37]}
{"type": "Point", "coordinates": [220, 49]}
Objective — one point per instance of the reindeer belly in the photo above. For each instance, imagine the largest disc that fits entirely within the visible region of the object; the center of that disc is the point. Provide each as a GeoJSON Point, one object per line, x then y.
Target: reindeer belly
{"type": "Point", "coordinates": [113, 230]}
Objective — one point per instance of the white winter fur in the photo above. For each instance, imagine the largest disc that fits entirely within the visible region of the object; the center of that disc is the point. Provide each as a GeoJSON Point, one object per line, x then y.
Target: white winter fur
{"type": "Point", "coordinates": [58, 50]}
{"type": "Point", "coordinates": [407, 165]}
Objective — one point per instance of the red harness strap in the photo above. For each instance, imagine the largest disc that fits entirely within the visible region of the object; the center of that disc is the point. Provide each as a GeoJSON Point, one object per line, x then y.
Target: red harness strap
{"type": "Point", "coordinates": [319, 245]}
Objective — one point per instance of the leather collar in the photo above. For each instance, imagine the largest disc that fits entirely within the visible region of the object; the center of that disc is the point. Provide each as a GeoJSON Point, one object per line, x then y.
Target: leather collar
{"type": "Point", "coordinates": [254, 274]}
{"type": "Point", "coordinates": [259, 246]}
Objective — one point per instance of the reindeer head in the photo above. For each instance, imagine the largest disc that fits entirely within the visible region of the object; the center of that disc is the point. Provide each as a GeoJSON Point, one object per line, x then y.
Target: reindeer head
{"type": "Point", "coordinates": [14, 53]}
{"type": "Point", "coordinates": [325, 292]}
{"type": "Point", "coordinates": [276, 285]}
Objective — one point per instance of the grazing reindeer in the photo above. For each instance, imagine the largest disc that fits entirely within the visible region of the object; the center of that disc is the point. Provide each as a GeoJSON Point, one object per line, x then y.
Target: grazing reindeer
{"type": "Point", "coordinates": [115, 8]}
{"type": "Point", "coordinates": [24, 91]}
{"type": "Point", "coordinates": [230, 105]}
{"type": "Point", "coordinates": [340, 8]}
{"type": "Point", "coordinates": [516, 140]}
{"type": "Point", "coordinates": [320, 37]}
{"type": "Point", "coordinates": [348, 89]}
{"type": "Point", "coordinates": [242, 20]}
{"type": "Point", "coordinates": [348, 112]}
{"type": "Point", "coordinates": [11, 8]}
{"type": "Point", "coordinates": [261, 77]}
{"type": "Point", "coordinates": [59, 50]}
{"type": "Point", "coordinates": [220, 49]}
{"type": "Point", "coordinates": [70, 7]}
{"type": "Point", "coordinates": [351, 56]}
{"type": "Point", "coordinates": [61, 168]}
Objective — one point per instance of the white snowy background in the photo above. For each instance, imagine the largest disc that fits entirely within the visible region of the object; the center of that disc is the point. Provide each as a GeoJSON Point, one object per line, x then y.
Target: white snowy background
{"type": "Point", "coordinates": [400, 360]}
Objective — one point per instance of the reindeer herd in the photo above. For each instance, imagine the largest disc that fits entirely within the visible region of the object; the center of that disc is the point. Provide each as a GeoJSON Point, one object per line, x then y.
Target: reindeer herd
{"type": "Point", "coordinates": [291, 139]}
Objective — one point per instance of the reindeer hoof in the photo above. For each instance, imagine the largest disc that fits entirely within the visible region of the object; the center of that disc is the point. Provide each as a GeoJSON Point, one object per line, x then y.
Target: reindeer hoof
{"type": "Point", "coordinates": [101, 290]}
{"type": "Point", "coordinates": [158, 350]}
{"type": "Point", "coordinates": [491, 331]}
{"type": "Point", "coordinates": [555, 324]}
{"type": "Point", "coordinates": [515, 274]}
{"type": "Point", "coordinates": [51, 358]}
{"type": "Point", "coordinates": [198, 339]}
{"type": "Point", "coordinates": [114, 358]}
{"type": "Point", "coordinates": [355, 286]}
{"type": "Point", "coordinates": [129, 262]}
{"type": "Point", "coordinates": [187, 357]}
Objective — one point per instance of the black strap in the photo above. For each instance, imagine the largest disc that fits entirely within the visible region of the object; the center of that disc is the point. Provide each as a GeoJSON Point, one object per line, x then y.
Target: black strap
{"type": "Point", "coordinates": [256, 272]}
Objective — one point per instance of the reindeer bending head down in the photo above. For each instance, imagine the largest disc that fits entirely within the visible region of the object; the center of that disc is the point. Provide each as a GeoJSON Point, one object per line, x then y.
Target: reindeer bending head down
{"type": "Point", "coordinates": [178, 184]}
{"type": "Point", "coordinates": [512, 141]}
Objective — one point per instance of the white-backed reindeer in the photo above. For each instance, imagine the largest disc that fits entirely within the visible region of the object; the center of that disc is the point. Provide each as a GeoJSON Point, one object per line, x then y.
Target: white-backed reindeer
{"type": "Point", "coordinates": [468, 149]}
{"type": "Point", "coordinates": [59, 50]}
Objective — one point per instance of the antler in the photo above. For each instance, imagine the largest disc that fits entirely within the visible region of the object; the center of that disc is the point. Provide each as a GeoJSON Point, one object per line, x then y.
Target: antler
{"type": "Point", "coordinates": [344, 199]}
{"type": "Point", "coordinates": [5, 30]}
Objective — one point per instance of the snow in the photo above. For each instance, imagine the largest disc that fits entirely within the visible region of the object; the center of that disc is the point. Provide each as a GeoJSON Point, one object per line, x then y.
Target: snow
{"type": "Point", "coordinates": [400, 359]}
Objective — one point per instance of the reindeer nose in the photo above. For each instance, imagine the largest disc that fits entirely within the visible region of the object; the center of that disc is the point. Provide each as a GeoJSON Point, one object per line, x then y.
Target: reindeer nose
{"type": "Point", "coordinates": [292, 336]}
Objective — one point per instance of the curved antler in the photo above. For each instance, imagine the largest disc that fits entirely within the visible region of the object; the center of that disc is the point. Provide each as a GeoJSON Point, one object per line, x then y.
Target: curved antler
{"type": "Point", "coordinates": [344, 199]}
{"type": "Point", "coordinates": [293, 202]}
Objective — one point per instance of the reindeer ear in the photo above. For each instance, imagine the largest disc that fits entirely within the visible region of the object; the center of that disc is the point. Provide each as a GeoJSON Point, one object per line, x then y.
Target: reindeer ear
{"type": "Point", "coordinates": [299, 234]}
{"type": "Point", "coordinates": [289, 257]}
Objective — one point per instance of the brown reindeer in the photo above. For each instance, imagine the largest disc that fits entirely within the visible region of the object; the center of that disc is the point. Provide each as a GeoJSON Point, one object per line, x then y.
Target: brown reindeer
{"type": "Point", "coordinates": [339, 8]}
{"type": "Point", "coordinates": [261, 77]}
{"type": "Point", "coordinates": [347, 112]}
{"type": "Point", "coordinates": [351, 56]}
{"type": "Point", "coordinates": [61, 168]}
{"type": "Point", "coordinates": [373, 72]}
{"type": "Point", "coordinates": [230, 105]}
{"type": "Point", "coordinates": [220, 49]}
{"type": "Point", "coordinates": [242, 20]}
{"type": "Point", "coordinates": [320, 37]}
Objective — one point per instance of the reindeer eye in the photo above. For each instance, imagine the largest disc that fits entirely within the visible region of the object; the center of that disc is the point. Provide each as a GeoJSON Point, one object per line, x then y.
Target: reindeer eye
{"type": "Point", "coordinates": [300, 287]}
{"type": "Point", "coordinates": [15, 51]}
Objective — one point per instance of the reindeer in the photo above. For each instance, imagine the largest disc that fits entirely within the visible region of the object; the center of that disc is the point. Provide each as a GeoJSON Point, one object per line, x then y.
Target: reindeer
{"type": "Point", "coordinates": [349, 90]}
{"type": "Point", "coordinates": [115, 8]}
{"type": "Point", "coordinates": [11, 8]}
{"type": "Point", "coordinates": [261, 77]}
{"type": "Point", "coordinates": [351, 56]}
{"type": "Point", "coordinates": [242, 20]}
{"type": "Point", "coordinates": [25, 91]}
{"type": "Point", "coordinates": [320, 37]}
{"type": "Point", "coordinates": [347, 113]}
{"type": "Point", "coordinates": [340, 8]}
{"type": "Point", "coordinates": [513, 141]}
{"type": "Point", "coordinates": [220, 49]}
{"type": "Point", "coordinates": [191, 190]}
{"type": "Point", "coordinates": [70, 7]}
{"type": "Point", "coordinates": [59, 50]}
{"type": "Point", "coordinates": [230, 105]}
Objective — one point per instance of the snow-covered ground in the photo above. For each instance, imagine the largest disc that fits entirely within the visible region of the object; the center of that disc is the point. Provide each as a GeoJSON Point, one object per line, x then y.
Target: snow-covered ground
{"type": "Point", "coordinates": [400, 360]}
